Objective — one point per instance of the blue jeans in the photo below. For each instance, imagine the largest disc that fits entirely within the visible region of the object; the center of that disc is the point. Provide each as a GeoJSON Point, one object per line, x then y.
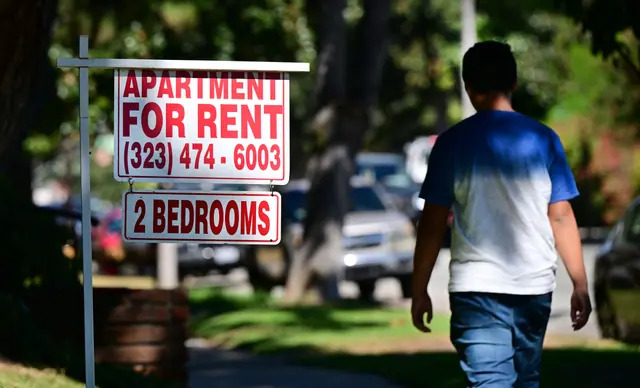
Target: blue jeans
{"type": "Point", "coordinates": [499, 337]}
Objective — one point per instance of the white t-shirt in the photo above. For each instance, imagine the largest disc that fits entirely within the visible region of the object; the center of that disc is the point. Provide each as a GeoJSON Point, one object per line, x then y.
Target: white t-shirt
{"type": "Point", "coordinates": [498, 171]}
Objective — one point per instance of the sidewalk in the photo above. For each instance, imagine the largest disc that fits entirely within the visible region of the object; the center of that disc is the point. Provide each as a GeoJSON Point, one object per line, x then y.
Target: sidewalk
{"type": "Point", "coordinates": [221, 368]}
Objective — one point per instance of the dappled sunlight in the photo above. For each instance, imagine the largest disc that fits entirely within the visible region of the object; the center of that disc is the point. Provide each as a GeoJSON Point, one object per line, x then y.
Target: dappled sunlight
{"type": "Point", "coordinates": [368, 338]}
{"type": "Point", "coordinates": [267, 327]}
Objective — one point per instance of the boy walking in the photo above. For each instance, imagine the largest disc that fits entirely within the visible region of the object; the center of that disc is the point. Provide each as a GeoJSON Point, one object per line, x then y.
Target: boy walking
{"type": "Point", "coordinates": [506, 179]}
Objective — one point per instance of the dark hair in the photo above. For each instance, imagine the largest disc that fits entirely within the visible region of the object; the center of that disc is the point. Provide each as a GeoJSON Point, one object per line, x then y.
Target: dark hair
{"type": "Point", "coordinates": [489, 67]}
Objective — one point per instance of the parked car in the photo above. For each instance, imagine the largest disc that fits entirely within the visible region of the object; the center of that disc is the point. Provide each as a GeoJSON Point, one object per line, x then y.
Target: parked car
{"type": "Point", "coordinates": [417, 155]}
{"type": "Point", "coordinates": [388, 170]}
{"type": "Point", "coordinates": [71, 222]}
{"type": "Point", "coordinates": [116, 256]}
{"type": "Point", "coordinates": [378, 240]}
{"type": "Point", "coordinates": [617, 279]}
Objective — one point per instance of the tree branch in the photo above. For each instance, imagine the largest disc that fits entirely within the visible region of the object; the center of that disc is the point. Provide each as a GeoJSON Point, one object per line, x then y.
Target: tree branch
{"type": "Point", "coordinates": [623, 51]}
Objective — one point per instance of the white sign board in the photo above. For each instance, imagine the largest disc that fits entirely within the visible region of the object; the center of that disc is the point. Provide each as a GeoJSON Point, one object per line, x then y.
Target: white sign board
{"type": "Point", "coordinates": [194, 126]}
{"type": "Point", "coordinates": [215, 217]}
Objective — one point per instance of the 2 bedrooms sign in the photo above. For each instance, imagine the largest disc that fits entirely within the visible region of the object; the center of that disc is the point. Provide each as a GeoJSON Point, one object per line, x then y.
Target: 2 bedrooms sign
{"type": "Point", "coordinates": [214, 217]}
{"type": "Point", "coordinates": [195, 126]}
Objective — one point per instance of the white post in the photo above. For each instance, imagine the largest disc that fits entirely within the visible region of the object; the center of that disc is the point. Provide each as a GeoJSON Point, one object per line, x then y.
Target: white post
{"type": "Point", "coordinates": [167, 266]}
{"type": "Point", "coordinates": [468, 39]}
{"type": "Point", "coordinates": [87, 262]}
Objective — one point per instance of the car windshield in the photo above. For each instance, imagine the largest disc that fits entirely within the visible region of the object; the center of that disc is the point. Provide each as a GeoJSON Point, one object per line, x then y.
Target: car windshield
{"type": "Point", "coordinates": [208, 187]}
{"type": "Point", "coordinates": [379, 170]}
{"type": "Point", "coordinates": [391, 174]}
{"type": "Point", "coordinates": [363, 199]}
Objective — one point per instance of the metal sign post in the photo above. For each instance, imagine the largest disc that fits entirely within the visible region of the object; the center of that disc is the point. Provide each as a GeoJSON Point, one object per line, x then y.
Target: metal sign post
{"type": "Point", "coordinates": [243, 155]}
{"type": "Point", "coordinates": [87, 262]}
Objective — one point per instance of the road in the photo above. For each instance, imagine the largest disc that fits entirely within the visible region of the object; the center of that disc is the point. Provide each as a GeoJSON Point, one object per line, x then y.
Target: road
{"type": "Point", "coordinates": [388, 291]}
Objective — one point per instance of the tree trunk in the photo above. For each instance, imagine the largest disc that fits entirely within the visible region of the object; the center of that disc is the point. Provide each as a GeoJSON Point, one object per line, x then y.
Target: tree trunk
{"type": "Point", "coordinates": [25, 27]}
{"type": "Point", "coordinates": [344, 113]}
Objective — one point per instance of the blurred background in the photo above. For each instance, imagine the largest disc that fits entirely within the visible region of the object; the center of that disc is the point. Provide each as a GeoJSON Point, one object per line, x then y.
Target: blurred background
{"type": "Point", "coordinates": [384, 83]}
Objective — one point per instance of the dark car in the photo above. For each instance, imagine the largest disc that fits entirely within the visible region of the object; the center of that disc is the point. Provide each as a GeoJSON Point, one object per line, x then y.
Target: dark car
{"type": "Point", "coordinates": [617, 279]}
{"type": "Point", "coordinates": [378, 240]}
{"type": "Point", "coordinates": [389, 171]}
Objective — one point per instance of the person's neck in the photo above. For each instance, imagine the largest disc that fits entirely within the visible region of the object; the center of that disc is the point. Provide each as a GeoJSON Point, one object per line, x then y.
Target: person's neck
{"type": "Point", "coordinates": [493, 102]}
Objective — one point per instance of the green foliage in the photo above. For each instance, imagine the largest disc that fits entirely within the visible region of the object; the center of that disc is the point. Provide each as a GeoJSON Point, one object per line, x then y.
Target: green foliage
{"type": "Point", "coordinates": [420, 93]}
{"type": "Point", "coordinates": [605, 20]}
{"type": "Point", "coordinates": [614, 31]}
{"type": "Point", "coordinates": [559, 80]}
{"type": "Point", "coordinates": [263, 30]}
{"type": "Point", "coordinates": [420, 80]}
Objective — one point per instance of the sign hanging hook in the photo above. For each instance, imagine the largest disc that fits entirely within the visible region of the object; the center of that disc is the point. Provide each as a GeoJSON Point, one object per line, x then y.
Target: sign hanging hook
{"type": "Point", "coordinates": [271, 187]}
{"type": "Point", "coordinates": [130, 185]}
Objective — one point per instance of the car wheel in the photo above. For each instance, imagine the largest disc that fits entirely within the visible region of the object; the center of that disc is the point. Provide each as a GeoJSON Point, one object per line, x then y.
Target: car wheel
{"type": "Point", "coordinates": [625, 333]}
{"type": "Point", "coordinates": [606, 316]}
{"type": "Point", "coordinates": [259, 282]}
{"type": "Point", "coordinates": [181, 277]}
{"type": "Point", "coordinates": [130, 270]}
{"type": "Point", "coordinates": [367, 288]}
{"type": "Point", "coordinates": [405, 286]}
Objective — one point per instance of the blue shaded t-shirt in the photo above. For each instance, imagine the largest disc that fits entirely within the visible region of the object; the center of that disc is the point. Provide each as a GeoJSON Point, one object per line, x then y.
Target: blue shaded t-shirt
{"type": "Point", "coordinates": [499, 171]}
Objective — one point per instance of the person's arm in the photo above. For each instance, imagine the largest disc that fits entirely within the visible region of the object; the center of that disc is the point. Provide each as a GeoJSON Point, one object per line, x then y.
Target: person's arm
{"type": "Point", "coordinates": [565, 231]}
{"type": "Point", "coordinates": [569, 247]}
{"type": "Point", "coordinates": [431, 230]}
{"type": "Point", "coordinates": [437, 191]}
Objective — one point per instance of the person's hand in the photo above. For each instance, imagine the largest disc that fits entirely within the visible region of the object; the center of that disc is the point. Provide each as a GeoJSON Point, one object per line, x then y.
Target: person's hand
{"type": "Point", "coordinates": [421, 305]}
{"type": "Point", "coordinates": [580, 308]}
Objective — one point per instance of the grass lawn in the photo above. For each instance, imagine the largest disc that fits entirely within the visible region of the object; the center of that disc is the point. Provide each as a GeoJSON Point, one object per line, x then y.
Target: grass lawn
{"type": "Point", "coordinates": [610, 368]}
{"type": "Point", "coordinates": [382, 341]}
{"type": "Point", "coordinates": [260, 325]}
{"type": "Point", "coordinates": [16, 376]}
{"type": "Point", "coordinates": [19, 376]}
{"type": "Point", "coordinates": [133, 282]}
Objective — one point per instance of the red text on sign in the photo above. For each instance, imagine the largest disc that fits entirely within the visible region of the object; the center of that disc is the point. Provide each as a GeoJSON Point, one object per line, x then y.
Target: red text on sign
{"type": "Point", "coordinates": [214, 85]}
{"type": "Point", "coordinates": [155, 119]}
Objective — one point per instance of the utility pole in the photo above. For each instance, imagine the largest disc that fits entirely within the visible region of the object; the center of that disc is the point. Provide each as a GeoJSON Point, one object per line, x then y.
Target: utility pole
{"type": "Point", "coordinates": [468, 39]}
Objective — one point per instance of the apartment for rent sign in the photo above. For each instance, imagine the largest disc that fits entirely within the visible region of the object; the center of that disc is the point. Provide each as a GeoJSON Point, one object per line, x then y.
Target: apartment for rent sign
{"type": "Point", "coordinates": [194, 126]}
